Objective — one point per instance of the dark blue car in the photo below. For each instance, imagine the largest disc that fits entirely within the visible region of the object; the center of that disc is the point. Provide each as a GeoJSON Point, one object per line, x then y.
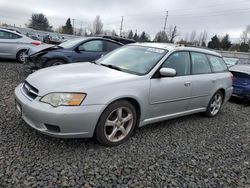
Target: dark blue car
{"type": "Point", "coordinates": [241, 81]}
{"type": "Point", "coordinates": [75, 50]}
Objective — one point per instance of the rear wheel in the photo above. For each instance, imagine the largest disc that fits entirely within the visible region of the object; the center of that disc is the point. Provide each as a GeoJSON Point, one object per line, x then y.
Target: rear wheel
{"type": "Point", "coordinates": [215, 104]}
{"type": "Point", "coordinates": [54, 62]}
{"type": "Point", "coordinates": [21, 56]}
{"type": "Point", "coordinates": [116, 123]}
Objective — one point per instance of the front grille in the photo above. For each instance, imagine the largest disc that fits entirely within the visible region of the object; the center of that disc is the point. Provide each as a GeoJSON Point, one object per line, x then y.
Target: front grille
{"type": "Point", "coordinates": [29, 90]}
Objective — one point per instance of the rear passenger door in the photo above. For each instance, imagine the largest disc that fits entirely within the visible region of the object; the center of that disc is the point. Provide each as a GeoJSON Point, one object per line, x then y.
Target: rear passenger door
{"type": "Point", "coordinates": [202, 80]}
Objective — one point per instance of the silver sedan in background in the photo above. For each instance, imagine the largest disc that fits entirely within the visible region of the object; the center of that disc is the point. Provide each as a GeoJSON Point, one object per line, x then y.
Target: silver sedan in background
{"type": "Point", "coordinates": [13, 45]}
{"type": "Point", "coordinates": [135, 85]}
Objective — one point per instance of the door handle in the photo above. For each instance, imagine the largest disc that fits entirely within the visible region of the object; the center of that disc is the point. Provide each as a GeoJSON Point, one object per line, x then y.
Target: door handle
{"type": "Point", "coordinates": [187, 84]}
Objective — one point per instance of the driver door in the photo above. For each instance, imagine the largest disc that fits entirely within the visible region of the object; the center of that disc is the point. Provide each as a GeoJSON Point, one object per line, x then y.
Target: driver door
{"type": "Point", "coordinates": [89, 51]}
{"type": "Point", "coordinates": [171, 95]}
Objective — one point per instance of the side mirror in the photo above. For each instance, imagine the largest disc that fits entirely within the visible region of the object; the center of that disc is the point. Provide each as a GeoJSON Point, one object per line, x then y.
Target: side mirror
{"type": "Point", "coordinates": [167, 72]}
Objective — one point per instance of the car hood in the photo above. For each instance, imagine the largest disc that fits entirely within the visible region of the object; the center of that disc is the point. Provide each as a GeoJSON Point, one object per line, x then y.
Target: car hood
{"type": "Point", "coordinates": [41, 48]}
{"type": "Point", "coordinates": [77, 77]}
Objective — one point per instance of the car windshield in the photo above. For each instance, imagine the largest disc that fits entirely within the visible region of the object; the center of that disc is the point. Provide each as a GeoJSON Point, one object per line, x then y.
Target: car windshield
{"type": "Point", "coordinates": [133, 59]}
{"type": "Point", "coordinates": [71, 43]}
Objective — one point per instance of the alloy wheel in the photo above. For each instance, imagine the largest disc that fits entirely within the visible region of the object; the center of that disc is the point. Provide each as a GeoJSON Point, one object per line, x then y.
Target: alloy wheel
{"type": "Point", "coordinates": [118, 124]}
{"type": "Point", "coordinates": [216, 104]}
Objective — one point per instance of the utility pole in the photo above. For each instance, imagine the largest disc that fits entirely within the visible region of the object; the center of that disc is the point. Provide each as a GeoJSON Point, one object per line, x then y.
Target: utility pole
{"type": "Point", "coordinates": [73, 26]}
{"type": "Point", "coordinates": [121, 27]}
{"type": "Point", "coordinates": [166, 19]}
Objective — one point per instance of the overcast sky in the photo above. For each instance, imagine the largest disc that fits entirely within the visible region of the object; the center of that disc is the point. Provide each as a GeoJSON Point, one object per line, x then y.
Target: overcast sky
{"type": "Point", "coordinates": [215, 16]}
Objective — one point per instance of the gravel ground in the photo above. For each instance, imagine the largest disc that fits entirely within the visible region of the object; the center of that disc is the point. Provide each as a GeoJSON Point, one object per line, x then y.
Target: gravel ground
{"type": "Point", "coordinates": [192, 151]}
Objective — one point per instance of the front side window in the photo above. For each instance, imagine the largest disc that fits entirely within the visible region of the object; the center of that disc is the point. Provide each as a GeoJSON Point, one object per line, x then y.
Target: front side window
{"type": "Point", "coordinates": [8, 35]}
{"type": "Point", "coordinates": [200, 64]}
{"type": "Point", "coordinates": [180, 61]}
{"type": "Point", "coordinates": [133, 59]}
{"type": "Point", "coordinates": [93, 46]}
{"type": "Point", "coordinates": [217, 64]}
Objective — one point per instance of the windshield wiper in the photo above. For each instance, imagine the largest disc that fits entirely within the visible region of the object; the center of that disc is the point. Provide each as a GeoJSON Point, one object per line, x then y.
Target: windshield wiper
{"type": "Point", "coordinates": [111, 66]}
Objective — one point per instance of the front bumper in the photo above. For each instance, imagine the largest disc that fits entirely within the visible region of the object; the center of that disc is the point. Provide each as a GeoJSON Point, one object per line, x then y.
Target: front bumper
{"type": "Point", "coordinates": [71, 122]}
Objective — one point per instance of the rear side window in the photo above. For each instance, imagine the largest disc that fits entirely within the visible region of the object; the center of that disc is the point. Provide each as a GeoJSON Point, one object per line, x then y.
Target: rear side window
{"type": "Point", "coordinates": [200, 64]}
{"type": "Point", "coordinates": [110, 46]}
{"type": "Point", "coordinates": [217, 64]}
{"type": "Point", "coordinates": [8, 35]}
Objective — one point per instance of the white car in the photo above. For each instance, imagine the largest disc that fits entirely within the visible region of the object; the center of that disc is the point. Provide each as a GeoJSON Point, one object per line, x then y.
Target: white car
{"type": "Point", "coordinates": [13, 45]}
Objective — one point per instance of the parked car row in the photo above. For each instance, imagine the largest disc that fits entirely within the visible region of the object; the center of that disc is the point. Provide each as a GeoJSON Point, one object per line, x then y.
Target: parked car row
{"type": "Point", "coordinates": [134, 85]}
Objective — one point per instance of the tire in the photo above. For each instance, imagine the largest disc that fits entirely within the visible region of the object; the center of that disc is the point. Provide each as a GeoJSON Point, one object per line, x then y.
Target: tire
{"type": "Point", "coordinates": [116, 123]}
{"type": "Point", "coordinates": [20, 56]}
{"type": "Point", "coordinates": [215, 104]}
{"type": "Point", "coordinates": [54, 62]}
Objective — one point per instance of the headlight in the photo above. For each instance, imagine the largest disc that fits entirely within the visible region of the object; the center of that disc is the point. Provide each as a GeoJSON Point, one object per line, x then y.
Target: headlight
{"type": "Point", "coordinates": [63, 99]}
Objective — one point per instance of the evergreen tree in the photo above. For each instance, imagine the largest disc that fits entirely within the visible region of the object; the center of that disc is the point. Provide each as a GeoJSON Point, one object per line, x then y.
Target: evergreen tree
{"type": "Point", "coordinates": [130, 34]}
{"type": "Point", "coordinates": [244, 47]}
{"type": "Point", "coordinates": [67, 29]}
{"type": "Point", "coordinates": [214, 43]}
{"type": "Point", "coordinates": [225, 43]}
{"type": "Point", "coordinates": [39, 22]}
{"type": "Point", "coordinates": [161, 36]}
{"type": "Point", "coordinates": [136, 37]}
{"type": "Point", "coordinates": [144, 37]}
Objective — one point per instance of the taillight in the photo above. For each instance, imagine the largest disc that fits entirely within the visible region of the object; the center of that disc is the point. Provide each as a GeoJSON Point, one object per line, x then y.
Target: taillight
{"type": "Point", "coordinates": [35, 43]}
{"type": "Point", "coordinates": [231, 76]}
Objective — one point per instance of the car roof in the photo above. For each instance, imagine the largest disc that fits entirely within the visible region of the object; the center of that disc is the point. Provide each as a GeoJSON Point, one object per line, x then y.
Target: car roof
{"type": "Point", "coordinates": [10, 31]}
{"type": "Point", "coordinates": [102, 38]}
{"type": "Point", "coordinates": [170, 47]}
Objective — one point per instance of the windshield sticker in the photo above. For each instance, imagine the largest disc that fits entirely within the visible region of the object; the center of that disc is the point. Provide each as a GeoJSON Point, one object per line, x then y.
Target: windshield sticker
{"type": "Point", "coordinates": [156, 50]}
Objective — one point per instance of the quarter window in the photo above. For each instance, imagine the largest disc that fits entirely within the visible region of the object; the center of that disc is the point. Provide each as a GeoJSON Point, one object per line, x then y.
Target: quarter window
{"type": "Point", "coordinates": [94, 46]}
{"type": "Point", "coordinates": [200, 64]}
{"type": "Point", "coordinates": [180, 61]}
{"type": "Point", "coordinates": [217, 63]}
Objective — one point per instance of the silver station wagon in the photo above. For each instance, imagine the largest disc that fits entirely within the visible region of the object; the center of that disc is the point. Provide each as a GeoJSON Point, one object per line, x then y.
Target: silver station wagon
{"type": "Point", "coordinates": [135, 85]}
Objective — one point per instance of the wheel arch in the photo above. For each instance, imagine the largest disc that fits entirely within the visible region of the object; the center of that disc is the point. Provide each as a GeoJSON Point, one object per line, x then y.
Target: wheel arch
{"type": "Point", "coordinates": [19, 50]}
{"type": "Point", "coordinates": [56, 58]}
{"type": "Point", "coordinates": [130, 99]}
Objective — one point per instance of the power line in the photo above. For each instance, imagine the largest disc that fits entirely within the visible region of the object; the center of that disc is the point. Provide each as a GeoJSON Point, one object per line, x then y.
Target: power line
{"type": "Point", "coordinates": [190, 9]}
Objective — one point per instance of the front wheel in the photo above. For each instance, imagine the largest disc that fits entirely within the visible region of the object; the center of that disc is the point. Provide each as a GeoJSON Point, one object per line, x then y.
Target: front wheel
{"type": "Point", "coordinates": [215, 104]}
{"type": "Point", "coordinates": [21, 56]}
{"type": "Point", "coordinates": [116, 123]}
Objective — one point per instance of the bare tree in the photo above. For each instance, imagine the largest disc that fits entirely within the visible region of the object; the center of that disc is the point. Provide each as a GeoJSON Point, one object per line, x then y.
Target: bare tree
{"type": "Point", "coordinates": [172, 33]}
{"type": "Point", "coordinates": [192, 37]}
{"type": "Point", "coordinates": [202, 38]}
{"type": "Point", "coordinates": [245, 36]}
{"type": "Point", "coordinates": [97, 25]}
